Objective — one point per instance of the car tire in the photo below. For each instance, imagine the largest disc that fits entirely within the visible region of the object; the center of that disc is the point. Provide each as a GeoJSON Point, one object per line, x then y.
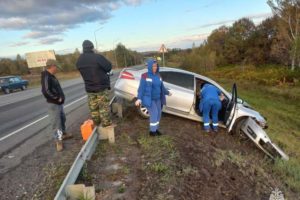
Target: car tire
{"type": "Point", "coordinates": [143, 112]}
{"type": "Point", "coordinates": [23, 87]}
{"type": "Point", "coordinates": [6, 91]}
{"type": "Point", "coordinates": [237, 129]}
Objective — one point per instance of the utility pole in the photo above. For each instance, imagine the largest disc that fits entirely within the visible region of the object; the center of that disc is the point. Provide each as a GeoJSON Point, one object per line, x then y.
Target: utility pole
{"type": "Point", "coordinates": [114, 49]}
{"type": "Point", "coordinates": [96, 37]}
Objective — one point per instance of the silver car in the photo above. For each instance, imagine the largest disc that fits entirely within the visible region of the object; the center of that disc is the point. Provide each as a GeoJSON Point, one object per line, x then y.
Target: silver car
{"type": "Point", "coordinates": [236, 115]}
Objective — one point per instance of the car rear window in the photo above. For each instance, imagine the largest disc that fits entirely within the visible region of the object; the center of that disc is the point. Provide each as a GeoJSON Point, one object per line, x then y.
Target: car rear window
{"type": "Point", "coordinates": [3, 81]}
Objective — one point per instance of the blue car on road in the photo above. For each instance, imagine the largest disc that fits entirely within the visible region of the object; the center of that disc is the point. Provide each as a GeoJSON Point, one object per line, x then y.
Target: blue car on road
{"type": "Point", "coordinates": [11, 83]}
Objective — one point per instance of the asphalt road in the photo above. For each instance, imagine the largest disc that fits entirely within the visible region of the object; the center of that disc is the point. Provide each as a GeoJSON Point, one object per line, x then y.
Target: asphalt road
{"type": "Point", "coordinates": [24, 120]}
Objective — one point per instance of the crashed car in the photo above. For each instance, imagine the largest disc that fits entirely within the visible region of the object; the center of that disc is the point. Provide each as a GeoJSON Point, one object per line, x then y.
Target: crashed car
{"type": "Point", "coordinates": [236, 115]}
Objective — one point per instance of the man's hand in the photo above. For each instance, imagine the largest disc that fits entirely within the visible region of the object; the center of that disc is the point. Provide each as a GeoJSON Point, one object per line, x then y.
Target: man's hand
{"type": "Point", "coordinates": [222, 97]}
{"type": "Point", "coordinates": [138, 102]}
{"type": "Point", "coordinates": [60, 100]}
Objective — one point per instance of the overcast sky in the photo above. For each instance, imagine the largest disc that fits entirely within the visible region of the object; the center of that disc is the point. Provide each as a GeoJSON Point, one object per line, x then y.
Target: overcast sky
{"type": "Point", "coordinates": [62, 25]}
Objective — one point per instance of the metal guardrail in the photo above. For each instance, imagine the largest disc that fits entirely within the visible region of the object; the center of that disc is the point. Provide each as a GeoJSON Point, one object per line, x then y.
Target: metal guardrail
{"type": "Point", "coordinates": [85, 153]}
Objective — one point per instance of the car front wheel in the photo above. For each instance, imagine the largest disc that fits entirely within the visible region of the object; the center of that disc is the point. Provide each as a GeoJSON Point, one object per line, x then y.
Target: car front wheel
{"type": "Point", "coordinates": [238, 128]}
{"type": "Point", "coordinates": [23, 87]}
{"type": "Point", "coordinates": [143, 111]}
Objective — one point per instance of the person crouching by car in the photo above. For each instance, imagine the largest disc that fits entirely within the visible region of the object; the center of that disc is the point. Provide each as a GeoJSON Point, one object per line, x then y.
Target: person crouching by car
{"type": "Point", "coordinates": [151, 94]}
{"type": "Point", "coordinates": [210, 103]}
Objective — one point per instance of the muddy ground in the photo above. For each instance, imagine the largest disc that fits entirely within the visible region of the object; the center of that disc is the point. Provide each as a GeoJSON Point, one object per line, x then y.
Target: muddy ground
{"type": "Point", "coordinates": [184, 163]}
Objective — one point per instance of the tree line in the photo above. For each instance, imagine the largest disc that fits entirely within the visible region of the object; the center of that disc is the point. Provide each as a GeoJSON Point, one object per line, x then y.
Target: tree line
{"type": "Point", "coordinates": [120, 57]}
{"type": "Point", "coordinates": [275, 41]}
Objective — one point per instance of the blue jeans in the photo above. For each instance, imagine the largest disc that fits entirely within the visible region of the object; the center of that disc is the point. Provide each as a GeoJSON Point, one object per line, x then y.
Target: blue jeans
{"type": "Point", "coordinates": [213, 106]}
{"type": "Point", "coordinates": [155, 114]}
{"type": "Point", "coordinates": [57, 119]}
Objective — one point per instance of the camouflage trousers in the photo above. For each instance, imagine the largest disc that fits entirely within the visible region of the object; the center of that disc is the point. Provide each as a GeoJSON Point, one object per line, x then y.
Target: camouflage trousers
{"type": "Point", "coordinates": [99, 108]}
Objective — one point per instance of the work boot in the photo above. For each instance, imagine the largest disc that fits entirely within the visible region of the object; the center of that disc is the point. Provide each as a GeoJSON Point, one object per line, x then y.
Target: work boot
{"type": "Point", "coordinates": [59, 145]}
{"type": "Point", "coordinates": [158, 133]}
{"type": "Point", "coordinates": [152, 133]}
{"type": "Point", "coordinates": [66, 136]}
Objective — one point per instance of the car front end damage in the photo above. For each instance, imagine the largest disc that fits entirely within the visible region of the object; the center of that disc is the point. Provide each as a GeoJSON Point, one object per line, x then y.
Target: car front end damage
{"type": "Point", "coordinates": [261, 139]}
{"type": "Point", "coordinates": [256, 116]}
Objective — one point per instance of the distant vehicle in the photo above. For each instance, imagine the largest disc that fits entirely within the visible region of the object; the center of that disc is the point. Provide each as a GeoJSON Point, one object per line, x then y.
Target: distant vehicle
{"type": "Point", "coordinates": [236, 115]}
{"type": "Point", "coordinates": [11, 83]}
{"type": "Point", "coordinates": [147, 59]}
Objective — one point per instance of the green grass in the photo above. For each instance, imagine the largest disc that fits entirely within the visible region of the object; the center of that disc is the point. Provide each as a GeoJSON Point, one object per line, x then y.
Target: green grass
{"type": "Point", "coordinates": [280, 104]}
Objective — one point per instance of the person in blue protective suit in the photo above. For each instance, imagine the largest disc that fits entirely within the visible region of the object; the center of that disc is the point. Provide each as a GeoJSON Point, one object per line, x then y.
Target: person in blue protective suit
{"type": "Point", "coordinates": [152, 95]}
{"type": "Point", "coordinates": [210, 103]}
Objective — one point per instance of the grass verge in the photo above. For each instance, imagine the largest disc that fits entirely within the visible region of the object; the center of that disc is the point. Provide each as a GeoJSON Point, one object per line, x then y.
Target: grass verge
{"type": "Point", "coordinates": [280, 104]}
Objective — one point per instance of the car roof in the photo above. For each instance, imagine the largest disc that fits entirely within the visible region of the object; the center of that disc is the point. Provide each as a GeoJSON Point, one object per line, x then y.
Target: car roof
{"type": "Point", "coordinates": [7, 77]}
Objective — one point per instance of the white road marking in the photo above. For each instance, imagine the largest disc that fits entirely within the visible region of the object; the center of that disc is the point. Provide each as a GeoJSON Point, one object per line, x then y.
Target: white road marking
{"type": "Point", "coordinates": [32, 123]}
{"type": "Point", "coordinates": [36, 121]}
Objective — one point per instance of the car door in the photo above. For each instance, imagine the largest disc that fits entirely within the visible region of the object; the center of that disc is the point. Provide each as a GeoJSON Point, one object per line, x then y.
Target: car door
{"type": "Point", "coordinates": [231, 109]}
{"type": "Point", "coordinates": [181, 85]}
{"type": "Point", "coordinates": [12, 83]}
{"type": "Point", "coordinates": [17, 83]}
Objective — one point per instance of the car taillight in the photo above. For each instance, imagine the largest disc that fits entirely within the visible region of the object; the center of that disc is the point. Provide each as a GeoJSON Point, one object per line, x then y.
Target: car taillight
{"type": "Point", "coordinates": [127, 75]}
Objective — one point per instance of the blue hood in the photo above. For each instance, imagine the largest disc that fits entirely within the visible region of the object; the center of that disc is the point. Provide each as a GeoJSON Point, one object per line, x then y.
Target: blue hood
{"type": "Point", "coordinates": [150, 64]}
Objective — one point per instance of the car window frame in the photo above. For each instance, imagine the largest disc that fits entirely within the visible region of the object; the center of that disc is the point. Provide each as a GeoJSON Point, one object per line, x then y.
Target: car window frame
{"type": "Point", "coordinates": [192, 88]}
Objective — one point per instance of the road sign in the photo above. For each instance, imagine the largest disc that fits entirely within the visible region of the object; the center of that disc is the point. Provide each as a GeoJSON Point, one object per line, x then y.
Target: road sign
{"type": "Point", "coordinates": [163, 49]}
{"type": "Point", "coordinates": [39, 58]}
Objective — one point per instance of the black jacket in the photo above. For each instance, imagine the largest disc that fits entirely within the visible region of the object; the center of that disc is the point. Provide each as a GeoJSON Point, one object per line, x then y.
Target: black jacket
{"type": "Point", "coordinates": [51, 88]}
{"type": "Point", "coordinates": [93, 69]}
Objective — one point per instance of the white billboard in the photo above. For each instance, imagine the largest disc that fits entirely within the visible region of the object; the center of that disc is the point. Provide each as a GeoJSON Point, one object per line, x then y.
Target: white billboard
{"type": "Point", "coordinates": [39, 58]}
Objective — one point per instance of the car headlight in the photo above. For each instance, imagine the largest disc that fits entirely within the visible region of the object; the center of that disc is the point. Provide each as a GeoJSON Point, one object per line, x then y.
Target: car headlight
{"type": "Point", "coordinates": [261, 123]}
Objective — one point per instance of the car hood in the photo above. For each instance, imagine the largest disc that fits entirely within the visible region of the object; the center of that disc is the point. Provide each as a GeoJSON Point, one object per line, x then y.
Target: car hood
{"type": "Point", "coordinates": [250, 112]}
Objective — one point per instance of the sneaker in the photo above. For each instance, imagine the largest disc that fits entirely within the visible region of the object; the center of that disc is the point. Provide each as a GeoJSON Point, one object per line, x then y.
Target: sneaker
{"type": "Point", "coordinates": [151, 133]}
{"type": "Point", "coordinates": [59, 146]}
{"type": "Point", "coordinates": [158, 132]}
{"type": "Point", "coordinates": [66, 136]}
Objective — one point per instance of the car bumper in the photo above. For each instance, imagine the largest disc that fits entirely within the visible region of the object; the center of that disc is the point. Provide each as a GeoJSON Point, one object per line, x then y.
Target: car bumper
{"type": "Point", "coordinates": [124, 95]}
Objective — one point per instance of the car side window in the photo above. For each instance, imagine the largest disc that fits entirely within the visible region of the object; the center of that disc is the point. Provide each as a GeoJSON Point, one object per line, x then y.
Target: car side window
{"type": "Point", "coordinates": [16, 80]}
{"type": "Point", "coordinates": [180, 79]}
{"type": "Point", "coordinates": [11, 80]}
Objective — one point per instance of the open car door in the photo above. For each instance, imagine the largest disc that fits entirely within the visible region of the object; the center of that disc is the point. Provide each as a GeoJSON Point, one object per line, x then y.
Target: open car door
{"type": "Point", "coordinates": [231, 108]}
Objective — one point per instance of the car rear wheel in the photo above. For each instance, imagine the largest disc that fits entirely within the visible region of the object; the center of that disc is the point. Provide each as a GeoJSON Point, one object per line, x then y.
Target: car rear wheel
{"type": "Point", "coordinates": [143, 111]}
{"type": "Point", "coordinates": [23, 87]}
{"type": "Point", "coordinates": [6, 91]}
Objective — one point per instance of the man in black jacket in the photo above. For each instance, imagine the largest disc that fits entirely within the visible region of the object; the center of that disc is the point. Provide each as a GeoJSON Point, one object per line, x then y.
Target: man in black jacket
{"type": "Point", "coordinates": [94, 70]}
{"type": "Point", "coordinates": [55, 97]}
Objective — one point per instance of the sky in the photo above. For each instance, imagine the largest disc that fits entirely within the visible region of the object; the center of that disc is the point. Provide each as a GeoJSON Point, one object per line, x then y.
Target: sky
{"type": "Point", "coordinates": [142, 25]}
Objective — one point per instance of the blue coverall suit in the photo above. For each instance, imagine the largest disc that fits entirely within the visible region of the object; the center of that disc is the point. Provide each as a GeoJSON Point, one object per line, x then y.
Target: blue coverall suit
{"type": "Point", "coordinates": [152, 93]}
{"type": "Point", "coordinates": [210, 102]}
